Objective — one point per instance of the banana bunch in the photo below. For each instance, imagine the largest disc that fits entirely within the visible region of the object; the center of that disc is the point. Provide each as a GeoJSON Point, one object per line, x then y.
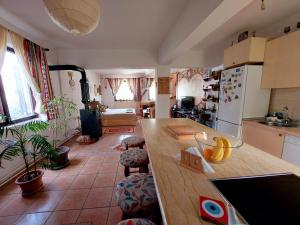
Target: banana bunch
{"type": "Point", "coordinates": [221, 152]}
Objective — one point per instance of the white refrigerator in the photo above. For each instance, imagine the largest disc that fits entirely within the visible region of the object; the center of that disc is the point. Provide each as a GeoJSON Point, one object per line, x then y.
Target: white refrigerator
{"type": "Point", "coordinates": [241, 98]}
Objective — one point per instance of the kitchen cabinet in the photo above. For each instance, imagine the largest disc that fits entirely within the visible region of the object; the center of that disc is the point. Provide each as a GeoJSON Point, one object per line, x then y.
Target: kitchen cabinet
{"type": "Point", "coordinates": [291, 149]}
{"type": "Point", "coordinates": [281, 63]}
{"type": "Point", "coordinates": [264, 138]}
{"type": "Point", "coordinates": [251, 50]}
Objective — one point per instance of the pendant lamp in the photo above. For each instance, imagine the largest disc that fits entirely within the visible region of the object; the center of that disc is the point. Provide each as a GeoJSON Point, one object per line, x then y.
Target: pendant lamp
{"type": "Point", "coordinates": [78, 17]}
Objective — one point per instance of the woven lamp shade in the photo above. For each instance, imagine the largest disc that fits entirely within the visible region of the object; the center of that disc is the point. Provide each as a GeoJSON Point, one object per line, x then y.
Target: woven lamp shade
{"type": "Point", "coordinates": [75, 16]}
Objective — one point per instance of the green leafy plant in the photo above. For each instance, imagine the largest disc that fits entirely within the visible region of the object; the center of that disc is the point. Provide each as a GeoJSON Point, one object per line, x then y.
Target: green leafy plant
{"type": "Point", "coordinates": [62, 110]}
{"type": "Point", "coordinates": [25, 141]}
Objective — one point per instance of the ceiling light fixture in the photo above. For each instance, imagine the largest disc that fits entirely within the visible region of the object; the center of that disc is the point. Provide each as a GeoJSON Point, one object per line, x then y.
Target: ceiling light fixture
{"type": "Point", "coordinates": [263, 6]}
{"type": "Point", "coordinates": [78, 17]}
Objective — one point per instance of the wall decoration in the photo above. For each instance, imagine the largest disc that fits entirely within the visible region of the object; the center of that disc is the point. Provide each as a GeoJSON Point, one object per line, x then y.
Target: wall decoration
{"type": "Point", "coordinates": [71, 81]}
{"type": "Point", "coordinates": [190, 73]}
{"type": "Point", "coordinates": [163, 85]}
{"type": "Point", "coordinates": [99, 90]}
{"type": "Point", "coordinates": [243, 36]}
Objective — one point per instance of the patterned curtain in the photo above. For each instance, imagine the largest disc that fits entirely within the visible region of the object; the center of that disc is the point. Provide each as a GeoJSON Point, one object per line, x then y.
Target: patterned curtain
{"type": "Point", "coordinates": [18, 44]}
{"type": "Point", "coordinates": [146, 84]}
{"type": "Point", "coordinates": [114, 84]}
{"type": "Point", "coordinates": [37, 61]}
{"type": "Point", "coordinates": [135, 87]}
{"type": "Point", "coordinates": [3, 44]}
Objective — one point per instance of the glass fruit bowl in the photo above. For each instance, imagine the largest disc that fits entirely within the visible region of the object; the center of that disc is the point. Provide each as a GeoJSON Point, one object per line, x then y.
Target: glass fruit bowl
{"type": "Point", "coordinates": [217, 149]}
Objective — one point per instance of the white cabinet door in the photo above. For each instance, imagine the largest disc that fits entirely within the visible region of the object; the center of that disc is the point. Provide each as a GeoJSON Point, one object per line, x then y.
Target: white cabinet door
{"type": "Point", "coordinates": [291, 150]}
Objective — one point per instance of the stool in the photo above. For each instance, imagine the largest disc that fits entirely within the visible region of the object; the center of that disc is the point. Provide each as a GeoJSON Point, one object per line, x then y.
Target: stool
{"type": "Point", "coordinates": [136, 195]}
{"type": "Point", "coordinates": [134, 158]}
{"type": "Point", "coordinates": [133, 141]}
{"type": "Point", "coordinates": [136, 222]}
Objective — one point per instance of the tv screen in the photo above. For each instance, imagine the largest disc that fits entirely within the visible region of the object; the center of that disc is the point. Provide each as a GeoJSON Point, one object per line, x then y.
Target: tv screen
{"type": "Point", "coordinates": [187, 102]}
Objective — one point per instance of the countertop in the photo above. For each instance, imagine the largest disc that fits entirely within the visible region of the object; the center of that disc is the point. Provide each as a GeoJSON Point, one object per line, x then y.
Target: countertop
{"type": "Point", "coordinates": [295, 131]}
{"type": "Point", "coordinates": [179, 188]}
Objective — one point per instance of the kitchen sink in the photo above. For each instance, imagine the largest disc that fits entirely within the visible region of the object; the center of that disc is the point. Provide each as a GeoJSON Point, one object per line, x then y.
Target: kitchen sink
{"type": "Point", "coordinates": [276, 124]}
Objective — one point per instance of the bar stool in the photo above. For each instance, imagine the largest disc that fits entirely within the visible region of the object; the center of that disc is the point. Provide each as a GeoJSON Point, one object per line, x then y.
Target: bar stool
{"type": "Point", "coordinates": [134, 158]}
{"type": "Point", "coordinates": [137, 221]}
{"type": "Point", "coordinates": [133, 141]}
{"type": "Point", "coordinates": [136, 195]}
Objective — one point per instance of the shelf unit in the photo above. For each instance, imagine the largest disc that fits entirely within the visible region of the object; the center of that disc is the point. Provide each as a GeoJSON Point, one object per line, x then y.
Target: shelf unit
{"type": "Point", "coordinates": [211, 97]}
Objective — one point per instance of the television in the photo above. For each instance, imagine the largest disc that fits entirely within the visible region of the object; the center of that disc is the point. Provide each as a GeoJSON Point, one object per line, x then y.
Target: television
{"type": "Point", "coordinates": [187, 102]}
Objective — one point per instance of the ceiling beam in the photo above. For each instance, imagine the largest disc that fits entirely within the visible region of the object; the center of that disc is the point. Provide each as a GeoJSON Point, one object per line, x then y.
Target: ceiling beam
{"type": "Point", "coordinates": [175, 45]}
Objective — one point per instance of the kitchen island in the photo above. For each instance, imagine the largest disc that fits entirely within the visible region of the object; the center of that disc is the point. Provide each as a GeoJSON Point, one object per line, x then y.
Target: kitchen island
{"type": "Point", "coordinates": [179, 188]}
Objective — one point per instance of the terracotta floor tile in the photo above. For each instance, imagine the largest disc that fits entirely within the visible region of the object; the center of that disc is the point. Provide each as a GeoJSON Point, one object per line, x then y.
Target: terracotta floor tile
{"type": "Point", "coordinates": [46, 201]}
{"type": "Point", "coordinates": [115, 216]}
{"type": "Point", "coordinates": [113, 201]}
{"type": "Point", "coordinates": [9, 220]}
{"type": "Point", "coordinates": [10, 189]}
{"type": "Point", "coordinates": [96, 216]}
{"type": "Point", "coordinates": [51, 173]}
{"type": "Point", "coordinates": [99, 197]}
{"type": "Point", "coordinates": [33, 219]}
{"type": "Point", "coordinates": [109, 168]}
{"type": "Point", "coordinates": [91, 168]}
{"type": "Point", "coordinates": [83, 181]}
{"type": "Point", "coordinates": [60, 183]}
{"type": "Point", "coordinates": [16, 205]}
{"type": "Point", "coordinates": [96, 159]}
{"type": "Point", "coordinates": [63, 217]}
{"type": "Point", "coordinates": [104, 180]}
{"type": "Point", "coordinates": [73, 199]}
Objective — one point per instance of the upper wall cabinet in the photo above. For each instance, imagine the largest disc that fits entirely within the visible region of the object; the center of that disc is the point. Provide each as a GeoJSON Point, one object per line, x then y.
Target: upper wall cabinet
{"type": "Point", "coordinates": [251, 50]}
{"type": "Point", "coordinates": [282, 60]}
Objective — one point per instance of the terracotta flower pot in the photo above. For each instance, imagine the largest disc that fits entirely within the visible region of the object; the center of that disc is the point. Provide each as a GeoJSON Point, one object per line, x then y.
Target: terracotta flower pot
{"type": "Point", "coordinates": [62, 160]}
{"type": "Point", "coordinates": [32, 186]}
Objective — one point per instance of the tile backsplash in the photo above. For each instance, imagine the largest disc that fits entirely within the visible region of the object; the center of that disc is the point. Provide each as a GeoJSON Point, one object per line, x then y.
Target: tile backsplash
{"type": "Point", "coordinates": [289, 97]}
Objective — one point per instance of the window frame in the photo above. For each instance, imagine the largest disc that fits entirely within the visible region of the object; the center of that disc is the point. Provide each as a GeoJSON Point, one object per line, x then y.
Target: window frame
{"type": "Point", "coordinates": [5, 105]}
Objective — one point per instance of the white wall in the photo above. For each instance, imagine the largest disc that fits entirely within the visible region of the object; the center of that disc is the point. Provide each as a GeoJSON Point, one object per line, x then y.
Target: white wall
{"type": "Point", "coordinates": [192, 87]}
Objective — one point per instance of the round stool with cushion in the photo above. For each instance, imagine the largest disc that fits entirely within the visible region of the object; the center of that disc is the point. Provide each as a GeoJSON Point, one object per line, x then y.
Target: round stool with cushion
{"type": "Point", "coordinates": [134, 158]}
{"type": "Point", "coordinates": [133, 141]}
{"type": "Point", "coordinates": [136, 195]}
{"type": "Point", "coordinates": [136, 222]}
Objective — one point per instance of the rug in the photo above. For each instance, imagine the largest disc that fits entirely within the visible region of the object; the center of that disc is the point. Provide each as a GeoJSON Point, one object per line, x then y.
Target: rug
{"type": "Point", "coordinates": [118, 130]}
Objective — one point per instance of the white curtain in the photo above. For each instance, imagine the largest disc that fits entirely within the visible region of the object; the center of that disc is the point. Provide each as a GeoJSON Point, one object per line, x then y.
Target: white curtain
{"type": "Point", "coordinates": [3, 44]}
{"type": "Point", "coordinates": [17, 42]}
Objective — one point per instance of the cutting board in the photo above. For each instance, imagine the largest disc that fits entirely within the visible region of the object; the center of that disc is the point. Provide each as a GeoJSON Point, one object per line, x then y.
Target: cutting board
{"type": "Point", "coordinates": [183, 132]}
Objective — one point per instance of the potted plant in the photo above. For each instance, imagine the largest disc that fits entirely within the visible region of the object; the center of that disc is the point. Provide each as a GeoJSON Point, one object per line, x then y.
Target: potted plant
{"type": "Point", "coordinates": [27, 142]}
{"type": "Point", "coordinates": [62, 111]}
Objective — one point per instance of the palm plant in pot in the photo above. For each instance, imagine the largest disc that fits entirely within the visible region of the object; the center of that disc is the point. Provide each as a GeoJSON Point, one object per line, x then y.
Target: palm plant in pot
{"type": "Point", "coordinates": [62, 111]}
{"type": "Point", "coordinates": [27, 142]}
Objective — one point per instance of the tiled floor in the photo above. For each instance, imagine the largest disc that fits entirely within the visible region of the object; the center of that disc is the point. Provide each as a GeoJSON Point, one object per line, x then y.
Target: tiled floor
{"type": "Point", "coordinates": [82, 193]}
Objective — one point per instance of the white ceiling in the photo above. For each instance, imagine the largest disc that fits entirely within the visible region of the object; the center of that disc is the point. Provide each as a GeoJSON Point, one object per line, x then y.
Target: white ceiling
{"type": "Point", "coordinates": [125, 72]}
{"type": "Point", "coordinates": [137, 24]}
{"type": "Point", "coordinates": [252, 18]}
{"type": "Point", "coordinates": [173, 26]}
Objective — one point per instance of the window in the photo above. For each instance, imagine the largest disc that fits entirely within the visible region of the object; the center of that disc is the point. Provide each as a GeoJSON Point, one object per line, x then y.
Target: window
{"type": "Point", "coordinates": [16, 95]}
{"type": "Point", "coordinates": [152, 92]}
{"type": "Point", "coordinates": [124, 93]}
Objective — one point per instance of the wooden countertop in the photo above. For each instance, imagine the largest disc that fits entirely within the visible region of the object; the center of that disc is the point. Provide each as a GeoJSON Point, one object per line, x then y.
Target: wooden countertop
{"type": "Point", "coordinates": [295, 131]}
{"type": "Point", "coordinates": [179, 188]}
